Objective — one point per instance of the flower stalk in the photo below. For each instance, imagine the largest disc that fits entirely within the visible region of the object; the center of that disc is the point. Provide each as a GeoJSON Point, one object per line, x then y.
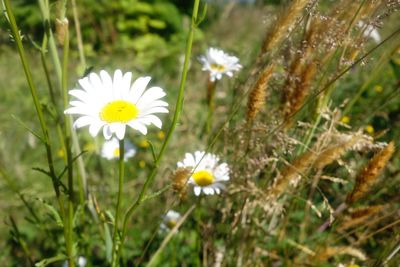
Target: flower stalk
{"type": "Point", "coordinates": [211, 85]}
{"type": "Point", "coordinates": [116, 242]}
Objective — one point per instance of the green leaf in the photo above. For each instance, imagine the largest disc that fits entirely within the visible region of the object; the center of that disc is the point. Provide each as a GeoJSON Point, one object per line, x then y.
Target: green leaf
{"type": "Point", "coordinates": [53, 212]}
{"type": "Point", "coordinates": [396, 69]}
{"type": "Point", "coordinates": [27, 128]}
{"type": "Point", "coordinates": [45, 262]}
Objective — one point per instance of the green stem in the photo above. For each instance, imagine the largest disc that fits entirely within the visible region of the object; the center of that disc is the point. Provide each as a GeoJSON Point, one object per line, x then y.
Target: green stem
{"type": "Point", "coordinates": [116, 247]}
{"type": "Point", "coordinates": [45, 10]}
{"type": "Point", "coordinates": [210, 102]}
{"type": "Point", "coordinates": [177, 113]}
{"type": "Point", "coordinates": [78, 33]}
{"type": "Point", "coordinates": [67, 136]}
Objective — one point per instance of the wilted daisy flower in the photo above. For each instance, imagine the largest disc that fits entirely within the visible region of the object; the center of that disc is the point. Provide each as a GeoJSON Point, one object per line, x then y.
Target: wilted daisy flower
{"type": "Point", "coordinates": [170, 220]}
{"type": "Point", "coordinates": [217, 62]}
{"type": "Point", "coordinates": [209, 175]}
{"type": "Point", "coordinates": [370, 31]}
{"type": "Point", "coordinates": [110, 149]}
{"type": "Point", "coordinates": [112, 103]}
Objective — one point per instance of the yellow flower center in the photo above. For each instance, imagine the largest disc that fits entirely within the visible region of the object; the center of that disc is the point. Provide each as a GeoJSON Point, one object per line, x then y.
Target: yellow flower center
{"type": "Point", "coordinates": [203, 178]}
{"type": "Point", "coordinates": [217, 67]}
{"type": "Point", "coordinates": [171, 224]}
{"type": "Point", "coordinates": [116, 152]}
{"type": "Point", "coordinates": [119, 111]}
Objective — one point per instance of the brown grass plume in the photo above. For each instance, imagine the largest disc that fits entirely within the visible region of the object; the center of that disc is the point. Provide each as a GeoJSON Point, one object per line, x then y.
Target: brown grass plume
{"type": "Point", "coordinates": [258, 94]}
{"type": "Point", "coordinates": [284, 22]}
{"type": "Point", "coordinates": [367, 177]}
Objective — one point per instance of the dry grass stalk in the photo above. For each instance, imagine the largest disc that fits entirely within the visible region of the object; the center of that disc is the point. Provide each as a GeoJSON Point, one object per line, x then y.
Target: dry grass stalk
{"type": "Point", "coordinates": [367, 177]}
{"type": "Point", "coordinates": [299, 68]}
{"type": "Point", "coordinates": [258, 93]}
{"type": "Point", "coordinates": [284, 22]}
{"type": "Point", "coordinates": [301, 90]}
{"type": "Point", "coordinates": [179, 180]}
{"type": "Point", "coordinates": [330, 252]}
{"type": "Point", "coordinates": [292, 174]}
{"type": "Point", "coordinates": [360, 216]}
{"type": "Point", "coordinates": [334, 152]}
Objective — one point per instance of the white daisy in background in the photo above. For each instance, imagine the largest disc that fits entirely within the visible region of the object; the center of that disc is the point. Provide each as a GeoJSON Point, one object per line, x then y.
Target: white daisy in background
{"type": "Point", "coordinates": [81, 262]}
{"type": "Point", "coordinates": [209, 175]}
{"type": "Point", "coordinates": [370, 31]}
{"type": "Point", "coordinates": [112, 103]}
{"type": "Point", "coordinates": [110, 149]}
{"type": "Point", "coordinates": [170, 220]}
{"type": "Point", "coordinates": [217, 62]}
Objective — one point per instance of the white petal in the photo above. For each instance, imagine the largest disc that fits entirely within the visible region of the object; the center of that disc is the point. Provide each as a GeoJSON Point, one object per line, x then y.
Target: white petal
{"type": "Point", "coordinates": [138, 126]}
{"type": "Point", "coordinates": [86, 85]}
{"type": "Point", "coordinates": [107, 81]}
{"type": "Point", "coordinates": [80, 94]}
{"type": "Point", "coordinates": [125, 85]}
{"type": "Point", "coordinates": [94, 128]}
{"type": "Point", "coordinates": [152, 119]}
{"type": "Point", "coordinates": [120, 132]}
{"type": "Point", "coordinates": [78, 110]}
{"type": "Point", "coordinates": [197, 190]}
{"type": "Point", "coordinates": [117, 84]}
{"type": "Point", "coordinates": [150, 95]}
{"type": "Point", "coordinates": [138, 88]}
{"type": "Point", "coordinates": [96, 82]}
{"type": "Point", "coordinates": [107, 132]}
{"type": "Point", "coordinates": [77, 103]}
{"type": "Point", "coordinates": [153, 110]}
{"type": "Point", "coordinates": [189, 160]}
{"type": "Point", "coordinates": [83, 121]}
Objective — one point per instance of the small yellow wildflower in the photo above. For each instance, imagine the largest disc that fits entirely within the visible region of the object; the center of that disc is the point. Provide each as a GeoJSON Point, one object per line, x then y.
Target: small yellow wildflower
{"type": "Point", "coordinates": [144, 144]}
{"type": "Point", "coordinates": [345, 119]}
{"type": "Point", "coordinates": [369, 129]}
{"type": "Point", "coordinates": [89, 147]}
{"type": "Point", "coordinates": [378, 88]}
{"type": "Point", "coordinates": [161, 135]}
{"type": "Point", "coordinates": [142, 164]}
{"type": "Point", "coordinates": [61, 153]}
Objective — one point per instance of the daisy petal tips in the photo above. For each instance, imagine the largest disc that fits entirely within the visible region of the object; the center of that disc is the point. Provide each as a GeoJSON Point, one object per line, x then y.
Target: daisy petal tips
{"type": "Point", "coordinates": [218, 63]}
{"type": "Point", "coordinates": [112, 103]}
{"type": "Point", "coordinates": [209, 175]}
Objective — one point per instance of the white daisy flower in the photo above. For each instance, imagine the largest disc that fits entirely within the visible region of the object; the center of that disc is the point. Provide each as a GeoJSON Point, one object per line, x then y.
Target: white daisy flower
{"type": "Point", "coordinates": [113, 103]}
{"type": "Point", "coordinates": [170, 220]}
{"type": "Point", "coordinates": [217, 62]}
{"type": "Point", "coordinates": [209, 175]}
{"type": "Point", "coordinates": [110, 149]}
